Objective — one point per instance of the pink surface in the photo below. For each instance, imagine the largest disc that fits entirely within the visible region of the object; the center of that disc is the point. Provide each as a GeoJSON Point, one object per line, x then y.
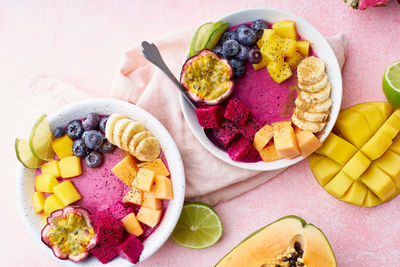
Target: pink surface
{"type": "Point", "coordinates": [81, 43]}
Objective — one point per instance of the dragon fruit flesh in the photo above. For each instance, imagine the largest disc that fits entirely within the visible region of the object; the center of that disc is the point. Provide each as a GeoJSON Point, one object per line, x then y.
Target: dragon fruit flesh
{"type": "Point", "coordinates": [242, 149]}
{"type": "Point", "coordinates": [110, 232]}
{"type": "Point", "coordinates": [97, 217]}
{"type": "Point", "coordinates": [131, 249]}
{"type": "Point", "coordinates": [119, 210]}
{"type": "Point", "coordinates": [363, 4]}
{"type": "Point", "coordinates": [227, 132]}
{"type": "Point", "coordinates": [249, 129]}
{"type": "Point", "coordinates": [210, 116]}
{"type": "Point", "coordinates": [236, 111]}
{"type": "Point", "coordinates": [104, 253]}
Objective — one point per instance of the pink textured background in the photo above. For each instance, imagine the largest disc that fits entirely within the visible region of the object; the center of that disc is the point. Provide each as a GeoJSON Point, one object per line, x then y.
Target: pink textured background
{"type": "Point", "coordinates": [81, 43]}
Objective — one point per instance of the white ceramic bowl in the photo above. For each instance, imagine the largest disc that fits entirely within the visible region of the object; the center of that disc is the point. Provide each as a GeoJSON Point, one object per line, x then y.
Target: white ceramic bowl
{"type": "Point", "coordinates": [319, 45]}
{"type": "Point", "coordinates": [25, 178]}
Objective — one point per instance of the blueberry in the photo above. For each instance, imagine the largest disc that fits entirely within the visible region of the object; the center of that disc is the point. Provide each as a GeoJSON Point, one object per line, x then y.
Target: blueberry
{"type": "Point", "coordinates": [106, 147]}
{"type": "Point", "coordinates": [230, 48]}
{"type": "Point", "coordinates": [58, 132]}
{"type": "Point", "coordinates": [93, 139]}
{"type": "Point", "coordinates": [238, 67]}
{"type": "Point", "coordinates": [240, 28]}
{"type": "Point", "coordinates": [102, 123]}
{"type": "Point", "coordinates": [90, 122]}
{"type": "Point", "coordinates": [254, 56]}
{"type": "Point", "coordinates": [94, 159]}
{"type": "Point", "coordinates": [74, 129]}
{"type": "Point", "coordinates": [228, 36]}
{"type": "Point", "coordinates": [258, 27]}
{"type": "Point", "coordinates": [218, 51]}
{"type": "Point", "coordinates": [80, 149]}
{"type": "Point", "coordinates": [242, 55]}
{"type": "Point", "coordinates": [245, 35]}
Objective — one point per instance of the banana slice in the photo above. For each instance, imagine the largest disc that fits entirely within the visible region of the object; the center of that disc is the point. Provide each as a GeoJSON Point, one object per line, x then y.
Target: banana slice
{"type": "Point", "coordinates": [148, 149]}
{"type": "Point", "coordinates": [111, 121]}
{"type": "Point", "coordinates": [318, 107]}
{"type": "Point", "coordinates": [317, 97]}
{"type": "Point", "coordinates": [316, 86]}
{"type": "Point", "coordinates": [131, 129]}
{"type": "Point", "coordinates": [136, 140]}
{"type": "Point", "coordinates": [311, 116]}
{"type": "Point", "coordinates": [310, 70]}
{"type": "Point", "coordinates": [119, 130]}
{"type": "Point", "coordinates": [314, 127]}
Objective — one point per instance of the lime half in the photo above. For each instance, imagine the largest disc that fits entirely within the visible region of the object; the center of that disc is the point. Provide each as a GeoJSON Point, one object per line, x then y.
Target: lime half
{"type": "Point", "coordinates": [391, 84]}
{"type": "Point", "coordinates": [25, 156]}
{"type": "Point", "coordinates": [199, 226]}
{"type": "Point", "coordinates": [41, 138]}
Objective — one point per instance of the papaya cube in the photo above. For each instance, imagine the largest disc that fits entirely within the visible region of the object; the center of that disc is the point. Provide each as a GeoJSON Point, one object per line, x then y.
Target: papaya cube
{"type": "Point", "coordinates": [162, 188]}
{"type": "Point", "coordinates": [66, 193]}
{"type": "Point", "coordinates": [356, 165]}
{"type": "Point", "coordinates": [285, 142]}
{"type": "Point", "coordinates": [70, 166]}
{"type": "Point", "coordinates": [51, 168]}
{"type": "Point", "coordinates": [51, 203]}
{"type": "Point", "coordinates": [337, 148]}
{"type": "Point", "coordinates": [288, 47]}
{"type": "Point", "coordinates": [144, 180]}
{"type": "Point", "coordinates": [131, 225]}
{"type": "Point", "coordinates": [378, 182]}
{"type": "Point", "coordinates": [157, 166]}
{"type": "Point", "coordinates": [385, 108]}
{"type": "Point", "coordinates": [294, 60]}
{"type": "Point", "coordinates": [38, 201]}
{"type": "Point", "coordinates": [390, 127]}
{"type": "Point", "coordinates": [263, 63]}
{"type": "Point", "coordinates": [45, 183]}
{"type": "Point", "coordinates": [277, 126]}
{"type": "Point", "coordinates": [279, 70]}
{"type": "Point", "coordinates": [62, 146]}
{"type": "Point", "coordinates": [356, 194]}
{"type": "Point", "coordinates": [285, 28]}
{"type": "Point", "coordinates": [371, 200]}
{"type": "Point", "coordinates": [324, 170]}
{"type": "Point", "coordinates": [307, 142]}
{"type": "Point", "coordinates": [269, 153]}
{"type": "Point", "coordinates": [126, 170]}
{"type": "Point", "coordinates": [395, 147]}
{"type": "Point", "coordinates": [353, 127]}
{"type": "Point", "coordinates": [390, 164]}
{"type": "Point", "coordinates": [149, 201]}
{"type": "Point", "coordinates": [262, 137]}
{"type": "Point", "coordinates": [376, 146]}
{"type": "Point", "coordinates": [339, 184]}
{"type": "Point", "coordinates": [134, 196]}
{"type": "Point", "coordinates": [303, 47]}
{"type": "Point", "coordinates": [148, 216]}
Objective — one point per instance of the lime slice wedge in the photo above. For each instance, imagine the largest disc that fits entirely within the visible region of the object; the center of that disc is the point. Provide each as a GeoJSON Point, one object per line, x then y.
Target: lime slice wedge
{"type": "Point", "coordinates": [25, 156]}
{"type": "Point", "coordinates": [391, 84]}
{"type": "Point", "coordinates": [40, 139]}
{"type": "Point", "coordinates": [199, 226]}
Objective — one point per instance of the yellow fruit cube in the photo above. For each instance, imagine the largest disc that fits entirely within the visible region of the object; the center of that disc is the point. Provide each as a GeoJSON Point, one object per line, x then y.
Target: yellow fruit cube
{"type": "Point", "coordinates": [285, 29]}
{"type": "Point", "coordinates": [285, 142]}
{"type": "Point", "coordinates": [371, 200]}
{"type": "Point", "coordinates": [38, 202]}
{"type": "Point", "coordinates": [353, 127]}
{"type": "Point", "coordinates": [339, 184]}
{"type": "Point", "coordinates": [390, 127]}
{"type": "Point", "coordinates": [262, 137]}
{"type": "Point", "coordinates": [273, 48]}
{"type": "Point", "coordinates": [62, 146]}
{"type": "Point", "coordinates": [294, 60]}
{"type": "Point", "coordinates": [378, 182]}
{"type": "Point", "coordinates": [162, 188]}
{"type": "Point", "coordinates": [266, 38]}
{"type": "Point", "coordinates": [45, 183]}
{"type": "Point", "coordinates": [51, 168]}
{"type": "Point", "coordinates": [303, 47]}
{"type": "Point", "coordinates": [288, 47]}
{"type": "Point", "coordinates": [144, 180]}
{"type": "Point", "coordinates": [385, 108]}
{"type": "Point", "coordinates": [131, 225]}
{"type": "Point", "coordinates": [395, 147]}
{"type": "Point", "coordinates": [356, 194]}
{"type": "Point", "coordinates": [324, 169]}
{"type": "Point", "coordinates": [148, 216]}
{"type": "Point", "coordinates": [157, 166]}
{"type": "Point", "coordinates": [263, 63]}
{"type": "Point", "coordinates": [51, 203]}
{"type": "Point", "coordinates": [371, 114]}
{"type": "Point", "coordinates": [277, 126]}
{"type": "Point", "coordinates": [70, 166]}
{"type": "Point", "coordinates": [149, 201]}
{"type": "Point", "coordinates": [269, 153]}
{"type": "Point", "coordinates": [66, 193]}
{"type": "Point", "coordinates": [376, 146]}
{"type": "Point", "coordinates": [279, 70]}
{"type": "Point", "coordinates": [134, 196]}
{"type": "Point", "coordinates": [126, 170]}
{"type": "Point", "coordinates": [337, 148]}
{"type": "Point", "coordinates": [307, 142]}
{"type": "Point", "coordinates": [313, 159]}
{"type": "Point", "coordinates": [390, 164]}
{"type": "Point", "coordinates": [356, 165]}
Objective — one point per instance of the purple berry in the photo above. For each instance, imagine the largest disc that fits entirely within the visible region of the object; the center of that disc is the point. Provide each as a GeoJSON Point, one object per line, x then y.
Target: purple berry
{"type": "Point", "coordinates": [106, 147]}
{"type": "Point", "coordinates": [258, 27]}
{"type": "Point", "coordinates": [90, 122]}
{"type": "Point", "coordinates": [74, 129]}
{"type": "Point", "coordinates": [245, 35]}
{"type": "Point", "coordinates": [254, 56]}
{"type": "Point", "coordinates": [58, 132]}
{"type": "Point", "coordinates": [93, 139]}
{"type": "Point", "coordinates": [218, 51]}
{"type": "Point", "coordinates": [242, 55]}
{"type": "Point", "coordinates": [102, 123]}
{"type": "Point", "coordinates": [230, 48]}
{"type": "Point", "coordinates": [228, 36]}
{"type": "Point", "coordinates": [94, 159]}
{"type": "Point", "coordinates": [80, 149]}
{"type": "Point", "coordinates": [238, 66]}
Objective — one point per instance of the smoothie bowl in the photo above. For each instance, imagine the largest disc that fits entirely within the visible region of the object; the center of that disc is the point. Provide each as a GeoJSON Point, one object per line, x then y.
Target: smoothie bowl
{"type": "Point", "coordinates": [102, 179]}
{"type": "Point", "coordinates": [268, 88]}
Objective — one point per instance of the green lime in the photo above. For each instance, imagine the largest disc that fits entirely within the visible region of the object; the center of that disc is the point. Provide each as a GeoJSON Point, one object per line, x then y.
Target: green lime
{"type": "Point", "coordinates": [199, 226]}
{"type": "Point", "coordinates": [40, 140]}
{"type": "Point", "coordinates": [391, 84]}
{"type": "Point", "coordinates": [25, 156]}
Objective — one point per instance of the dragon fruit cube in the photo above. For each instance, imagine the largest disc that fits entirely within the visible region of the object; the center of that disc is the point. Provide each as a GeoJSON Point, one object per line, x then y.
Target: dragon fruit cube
{"type": "Point", "coordinates": [242, 149]}
{"type": "Point", "coordinates": [249, 129]}
{"type": "Point", "coordinates": [131, 249]}
{"type": "Point", "coordinates": [96, 218]}
{"type": "Point", "coordinates": [110, 232]}
{"type": "Point", "coordinates": [104, 253]}
{"type": "Point", "coordinates": [119, 210]}
{"type": "Point", "coordinates": [236, 111]}
{"type": "Point", "coordinates": [210, 116]}
{"type": "Point", "coordinates": [227, 132]}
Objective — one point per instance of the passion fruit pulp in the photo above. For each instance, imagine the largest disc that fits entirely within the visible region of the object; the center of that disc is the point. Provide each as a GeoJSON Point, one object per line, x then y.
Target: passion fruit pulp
{"type": "Point", "coordinates": [207, 78]}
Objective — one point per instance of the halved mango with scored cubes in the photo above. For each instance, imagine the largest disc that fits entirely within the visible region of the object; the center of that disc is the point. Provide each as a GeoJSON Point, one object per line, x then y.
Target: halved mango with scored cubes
{"type": "Point", "coordinates": [359, 162]}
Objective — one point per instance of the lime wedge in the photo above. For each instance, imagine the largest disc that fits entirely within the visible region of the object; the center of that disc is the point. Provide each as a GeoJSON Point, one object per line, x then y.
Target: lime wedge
{"type": "Point", "coordinates": [391, 84]}
{"type": "Point", "coordinates": [25, 156]}
{"type": "Point", "coordinates": [40, 139]}
{"type": "Point", "coordinates": [199, 226]}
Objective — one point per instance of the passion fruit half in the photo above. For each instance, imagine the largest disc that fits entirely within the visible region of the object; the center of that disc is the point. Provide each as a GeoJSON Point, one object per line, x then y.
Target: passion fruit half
{"type": "Point", "coordinates": [207, 78]}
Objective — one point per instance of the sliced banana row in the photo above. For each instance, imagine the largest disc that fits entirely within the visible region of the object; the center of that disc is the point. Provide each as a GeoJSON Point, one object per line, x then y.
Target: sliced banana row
{"type": "Point", "coordinates": [313, 102]}
{"type": "Point", "coordinates": [132, 137]}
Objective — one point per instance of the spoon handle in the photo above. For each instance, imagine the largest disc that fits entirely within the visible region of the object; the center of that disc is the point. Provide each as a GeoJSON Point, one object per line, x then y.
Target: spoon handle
{"type": "Point", "coordinates": [152, 54]}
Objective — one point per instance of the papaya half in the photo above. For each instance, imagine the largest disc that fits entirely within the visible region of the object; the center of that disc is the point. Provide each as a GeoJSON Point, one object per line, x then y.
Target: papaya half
{"type": "Point", "coordinates": [289, 241]}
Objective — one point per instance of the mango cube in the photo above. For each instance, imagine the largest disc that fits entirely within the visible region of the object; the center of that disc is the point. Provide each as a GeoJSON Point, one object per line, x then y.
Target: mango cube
{"type": "Point", "coordinates": [307, 143]}
{"type": "Point", "coordinates": [134, 196]}
{"type": "Point", "coordinates": [324, 169]}
{"type": "Point", "coordinates": [157, 166]}
{"type": "Point", "coordinates": [371, 200]}
{"type": "Point", "coordinates": [395, 147]}
{"type": "Point", "coordinates": [303, 47]}
{"type": "Point", "coordinates": [376, 146]}
{"type": "Point", "coordinates": [337, 148]}
{"type": "Point", "coordinates": [371, 113]}
{"type": "Point", "coordinates": [353, 127]}
{"type": "Point", "coordinates": [126, 170]}
{"type": "Point", "coordinates": [294, 60]}
{"type": "Point", "coordinates": [339, 184]}
{"type": "Point", "coordinates": [390, 127]}
{"type": "Point", "coordinates": [313, 159]}
{"type": "Point", "coordinates": [279, 70]}
{"type": "Point", "coordinates": [51, 168]}
{"type": "Point", "coordinates": [285, 142]}
{"type": "Point", "coordinates": [149, 201]}
{"type": "Point", "coordinates": [162, 188]}
{"type": "Point", "coordinates": [273, 48]}
{"type": "Point", "coordinates": [269, 153]}
{"type": "Point", "coordinates": [66, 193]}
{"type": "Point", "coordinates": [356, 194]}
{"type": "Point", "coordinates": [148, 216]}
{"type": "Point", "coordinates": [131, 225]}
{"type": "Point", "coordinates": [265, 38]}
{"type": "Point", "coordinates": [288, 47]}
{"type": "Point", "coordinates": [45, 183]}
{"type": "Point", "coordinates": [390, 164]}
{"type": "Point", "coordinates": [51, 203]}
{"type": "Point", "coordinates": [70, 166]}
{"type": "Point", "coordinates": [385, 108]}
{"type": "Point", "coordinates": [378, 182]}
{"type": "Point", "coordinates": [38, 201]}
{"type": "Point", "coordinates": [144, 180]}
{"type": "Point", "coordinates": [62, 146]}
{"type": "Point", "coordinates": [286, 29]}
{"type": "Point", "coordinates": [262, 137]}
{"type": "Point", "coordinates": [356, 165]}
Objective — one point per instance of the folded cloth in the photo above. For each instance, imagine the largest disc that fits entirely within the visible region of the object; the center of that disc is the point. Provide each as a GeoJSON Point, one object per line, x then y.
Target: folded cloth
{"type": "Point", "coordinates": [208, 179]}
